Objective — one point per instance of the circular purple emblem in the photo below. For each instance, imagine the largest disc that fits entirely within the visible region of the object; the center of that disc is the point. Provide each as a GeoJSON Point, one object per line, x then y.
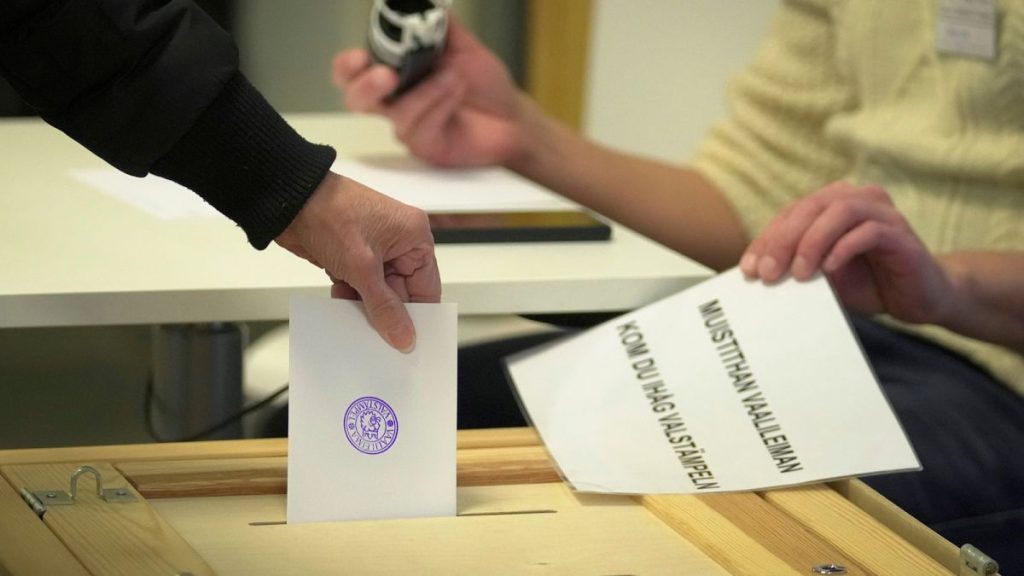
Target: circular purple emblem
{"type": "Point", "coordinates": [371, 425]}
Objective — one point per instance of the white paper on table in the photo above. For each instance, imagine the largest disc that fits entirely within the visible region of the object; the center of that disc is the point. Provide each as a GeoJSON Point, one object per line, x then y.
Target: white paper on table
{"type": "Point", "coordinates": [729, 385]}
{"type": "Point", "coordinates": [435, 189]}
{"type": "Point", "coordinates": [402, 177]}
{"type": "Point", "coordinates": [371, 431]}
{"type": "Point", "coordinates": [157, 196]}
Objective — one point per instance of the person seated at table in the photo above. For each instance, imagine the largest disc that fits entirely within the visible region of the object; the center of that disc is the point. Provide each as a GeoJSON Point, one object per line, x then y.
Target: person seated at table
{"type": "Point", "coordinates": [853, 148]}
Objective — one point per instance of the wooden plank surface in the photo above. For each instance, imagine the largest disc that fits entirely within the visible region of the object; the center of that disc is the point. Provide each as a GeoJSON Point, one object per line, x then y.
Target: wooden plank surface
{"type": "Point", "coordinates": [27, 546]}
{"type": "Point", "coordinates": [142, 452]}
{"type": "Point", "coordinates": [896, 519]}
{"type": "Point", "coordinates": [779, 533]}
{"type": "Point", "coordinates": [853, 531]}
{"type": "Point", "coordinates": [109, 538]}
{"type": "Point", "coordinates": [267, 447]}
{"type": "Point", "coordinates": [207, 477]}
{"type": "Point", "coordinates": [500, 530]}
{"type": "Point", "coordinates": [695, 521]}
{"type": "Point", "coordinates": [502, 474]}
{"type": "Point", "coordinates": [512, 465]}
{"type": "Point", "coordinates": [497, 438]}
{"type": "Point", "coordinates": [269, 475]}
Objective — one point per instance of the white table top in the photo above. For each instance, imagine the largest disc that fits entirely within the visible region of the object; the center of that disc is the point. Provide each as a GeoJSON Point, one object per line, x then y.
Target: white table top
{"type": "Point", "coordinates": [71, 255]}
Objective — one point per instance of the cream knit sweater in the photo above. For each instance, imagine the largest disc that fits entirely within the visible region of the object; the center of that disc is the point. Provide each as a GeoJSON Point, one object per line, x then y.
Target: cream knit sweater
{"type": "Point", "coordinates": [855, 90]}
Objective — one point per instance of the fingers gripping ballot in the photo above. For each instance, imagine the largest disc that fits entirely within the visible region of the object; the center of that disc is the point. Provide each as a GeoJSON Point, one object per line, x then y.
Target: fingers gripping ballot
{"type": "Point", "coordinates": [860, 240]}
{"type": "Point", "coordinates": [411, 276]}
{"type": "Point", "coordinates": [813, 233]}
{"type": "Point", "coordinates": [373, 248]}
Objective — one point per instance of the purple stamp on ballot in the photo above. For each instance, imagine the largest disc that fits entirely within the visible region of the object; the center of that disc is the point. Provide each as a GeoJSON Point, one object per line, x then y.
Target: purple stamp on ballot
{"type": "Point", "coordinates": [371, 425]}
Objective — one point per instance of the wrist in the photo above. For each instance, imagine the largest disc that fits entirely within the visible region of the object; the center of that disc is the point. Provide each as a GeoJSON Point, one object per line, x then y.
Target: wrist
{"type": "Point", "coordinates": [539, 141]}
{"type": "Point", "coordinates": [986, 301]}
{"type": "Point", "coordinates": [246, 161]}
{"type": "Point", "coordinates": [959, 302]}
{"type": "Point", "coordinates": [292, 236]}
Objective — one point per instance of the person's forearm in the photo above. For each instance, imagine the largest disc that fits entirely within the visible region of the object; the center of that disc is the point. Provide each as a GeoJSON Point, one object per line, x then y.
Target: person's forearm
{"type": "Point", "coordinates": [673, 205]}
{"type": "Point", "coordinates": [244, 159]}
{"type": "Point", "coordinates": [988, 301]}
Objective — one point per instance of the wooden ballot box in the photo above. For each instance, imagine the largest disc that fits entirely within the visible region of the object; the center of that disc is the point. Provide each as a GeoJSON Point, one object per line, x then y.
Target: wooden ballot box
{"type": "Point", "coordinates": [219, 508]}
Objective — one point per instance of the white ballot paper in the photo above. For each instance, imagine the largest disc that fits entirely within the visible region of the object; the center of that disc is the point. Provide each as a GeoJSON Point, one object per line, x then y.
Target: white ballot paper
{"type": "Point", "coordinates": [371, 431]}
{"type": "Point", "coordinates": [729, 385]}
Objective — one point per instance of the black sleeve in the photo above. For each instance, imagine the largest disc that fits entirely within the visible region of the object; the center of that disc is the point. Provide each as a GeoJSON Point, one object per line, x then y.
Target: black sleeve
{"type": "Point", "coordinates": [273, 170]}
{"type": "Point", "coordinates": [153, 86]}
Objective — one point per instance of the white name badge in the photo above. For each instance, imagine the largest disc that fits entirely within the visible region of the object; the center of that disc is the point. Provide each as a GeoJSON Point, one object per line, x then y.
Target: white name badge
{"type": "Point", "coordinates": [967, 28]}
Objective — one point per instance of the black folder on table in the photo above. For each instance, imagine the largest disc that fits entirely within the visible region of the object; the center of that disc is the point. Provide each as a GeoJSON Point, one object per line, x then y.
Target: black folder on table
{"type": "Point", "coordinates": [556, 226]}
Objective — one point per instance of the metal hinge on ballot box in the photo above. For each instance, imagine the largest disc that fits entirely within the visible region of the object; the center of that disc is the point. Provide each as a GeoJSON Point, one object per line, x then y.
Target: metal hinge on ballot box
{"type": "Point", "coordinates": [974, 562]}
{"type": "Point", "coordinates": [39, 500]}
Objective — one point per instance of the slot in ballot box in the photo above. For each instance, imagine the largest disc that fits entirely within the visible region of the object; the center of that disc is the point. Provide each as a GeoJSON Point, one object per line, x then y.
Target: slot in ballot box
{"type": "Point", "coordinates": [219, 508]}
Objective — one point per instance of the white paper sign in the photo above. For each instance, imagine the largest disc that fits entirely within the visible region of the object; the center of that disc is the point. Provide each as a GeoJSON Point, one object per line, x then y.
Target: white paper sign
{"type": "Point", "coordinates": [729, 385]}
{"type": "Point", "coordinates": [371, 431]}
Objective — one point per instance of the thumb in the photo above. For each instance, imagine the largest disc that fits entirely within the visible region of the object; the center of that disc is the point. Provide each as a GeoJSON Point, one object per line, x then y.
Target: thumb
{"type": "Point", "coordinates": [388, 316]}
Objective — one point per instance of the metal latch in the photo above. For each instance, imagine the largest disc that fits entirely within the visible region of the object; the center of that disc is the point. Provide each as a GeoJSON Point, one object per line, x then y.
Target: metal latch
{"type": "Point", "coordinates": [975, 562]}
{"type": "Point", "coordinates": [38, 500]}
